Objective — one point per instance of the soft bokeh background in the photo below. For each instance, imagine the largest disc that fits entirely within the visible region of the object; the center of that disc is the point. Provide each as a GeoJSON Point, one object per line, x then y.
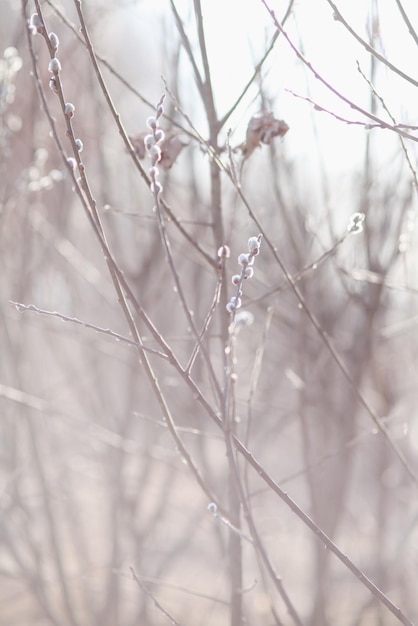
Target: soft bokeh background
{"type": "Point", "coordinates": [91, 483]}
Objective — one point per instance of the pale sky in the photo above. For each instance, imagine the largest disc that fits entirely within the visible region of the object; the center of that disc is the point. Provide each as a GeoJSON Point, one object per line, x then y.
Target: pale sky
{"type": "Point", "coordinates": [237, 34]}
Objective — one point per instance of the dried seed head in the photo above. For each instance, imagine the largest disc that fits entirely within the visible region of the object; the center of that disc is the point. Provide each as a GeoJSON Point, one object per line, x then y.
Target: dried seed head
{"type": "Point", "coordinates": [138, 145]}
{"type": "Point", "coordinates": [171, 146]}
{"type": "Point", "coordinates": [262, 129]}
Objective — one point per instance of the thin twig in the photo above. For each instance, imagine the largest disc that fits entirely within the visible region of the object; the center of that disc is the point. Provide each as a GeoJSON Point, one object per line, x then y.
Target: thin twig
{"type": "Point", "coordinates": [340, 118]}
{"type": "Point", "coordinates": [188, 47]}
{"type": "Point", "coordinates": [339, 18]}
{"type": "Point", "coordinates": [256, 538]}
{"type": "Point", "coordinates": [257, 68]}
{"type": "Point", "coordinates": [333, 90]}
{"type": "Point", "coordinates": [121, 284]}
{"type": "Point", "coordinates": [163, 583]}
{"type": "Point", "coordinates": [401, 139]}
{"type": "Point", "coordinates": [396, 611]}
{"type": "Point", "coordinates": [407, 21]}
{"type": "Point", "coordinates": [153, 598]}
{"type": "Point", "coordinates": [98, 329]}
{"type": "Point", "coordinates": [157, 189]}
{"type": "Point", "coordinates": [94, 58]}
{"type": "Point", "coordinates": [205, 326]}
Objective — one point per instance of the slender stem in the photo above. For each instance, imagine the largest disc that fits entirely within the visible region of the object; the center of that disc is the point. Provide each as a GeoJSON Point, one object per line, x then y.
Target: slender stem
{"type": "Point", "coordinates": [332, 89]}
{"type": "Point", "coordinates": [407, 21]}
{"type": "Point", "coordinates": [368, 47]}
{"type": "Point", "coordinates": [257, 69]}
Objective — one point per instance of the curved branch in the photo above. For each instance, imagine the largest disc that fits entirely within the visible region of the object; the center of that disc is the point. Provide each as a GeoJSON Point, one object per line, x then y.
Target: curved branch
{"type": "Point", "coordinates": [407, 21]}
{"type": "Point", "coordinates": [257, 69]}
{"type": "Point", "coordinates": [339, 95]}
{"type": "Point", "coordinates": [339, 18]}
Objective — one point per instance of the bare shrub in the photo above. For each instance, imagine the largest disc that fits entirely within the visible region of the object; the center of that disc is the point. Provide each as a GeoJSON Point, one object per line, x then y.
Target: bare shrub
{"type": "Point", "coordinates": [208, 315]}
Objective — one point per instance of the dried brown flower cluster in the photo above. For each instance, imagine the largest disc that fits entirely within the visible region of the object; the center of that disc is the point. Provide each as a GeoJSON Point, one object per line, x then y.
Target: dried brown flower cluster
{"type": "Point", "coordinates": [262, 129]}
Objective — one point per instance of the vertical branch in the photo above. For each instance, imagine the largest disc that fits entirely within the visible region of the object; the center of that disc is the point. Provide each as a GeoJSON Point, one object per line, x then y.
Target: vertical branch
{"type": "Point", "coordinates": [213, 122]}
{"type": "Point", "coordinates": [246, 261]}
{"type": "Point", "coordinates": [235, 542]}
{"type": "Point", "coordinates": [368, 174]}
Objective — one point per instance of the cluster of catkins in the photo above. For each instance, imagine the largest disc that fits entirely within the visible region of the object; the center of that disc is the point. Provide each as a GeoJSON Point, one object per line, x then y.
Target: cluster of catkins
{"type": "Point", "coordinates": [246, 261]}
{"type": "Point", "coordinates": [36, 27]}
{"type": "Point", "coordinates": [152, 143]}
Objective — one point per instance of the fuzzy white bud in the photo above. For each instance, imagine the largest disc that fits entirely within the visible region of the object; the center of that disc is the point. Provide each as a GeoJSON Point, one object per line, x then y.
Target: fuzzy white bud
{"type": "Point", "coordinates": [149, 141]}
{"type": "Point", "coordinates": [253, 243]}
{"type": "Point", "coordinates": [236, 302]}
{"type": "Point", "coordinates": [212, 508]}
{"type": "Point", "coordinates": [72, 162]}
{"type": "Point", "coordinates": [54, 41]}
{"type": "Point", "coordinates": [35, 24]}
{"type": "Point", "coordinates": [244, 318]}
{"type": "Point", "coordinates": [356, 223]}
{"type": "Point", "coordinates": [54, 65]}
{"type": "Point", "coordinates": [69, 109]}
{"type": "Point", "coordinates": [152, 122]}
{"type": "Point", "coordinates": [155, 152]}
{"type": "Point", "coordinates": [245, 259]}
{"type": "Point", "coordinates": [35, 20]}
{"type": "Point", "coordinates": [159, 135]}
{"type": "Point", "coordinates": [156, 188]}
{"type": "Point", "coordinates": [224, 252]}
